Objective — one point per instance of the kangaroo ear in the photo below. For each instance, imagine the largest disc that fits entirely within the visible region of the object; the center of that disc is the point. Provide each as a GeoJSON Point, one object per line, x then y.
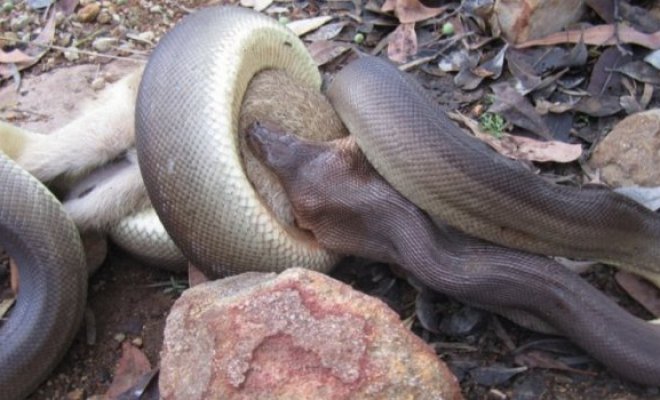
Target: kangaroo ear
{"type": "Point", "coordinates": [14, 140]}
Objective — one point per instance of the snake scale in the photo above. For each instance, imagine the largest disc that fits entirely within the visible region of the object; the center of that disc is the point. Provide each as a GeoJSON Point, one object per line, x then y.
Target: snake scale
{"type": "Point", "coordinates": [187, 116]}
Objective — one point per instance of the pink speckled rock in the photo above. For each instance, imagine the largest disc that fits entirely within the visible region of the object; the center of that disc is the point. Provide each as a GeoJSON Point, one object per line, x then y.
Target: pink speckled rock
{"type": "Point", "coordinates": [296, 335]}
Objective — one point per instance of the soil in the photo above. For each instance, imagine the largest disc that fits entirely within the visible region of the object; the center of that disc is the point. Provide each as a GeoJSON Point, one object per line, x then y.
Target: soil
{"type": "Point", "coordinates": [129, 301]}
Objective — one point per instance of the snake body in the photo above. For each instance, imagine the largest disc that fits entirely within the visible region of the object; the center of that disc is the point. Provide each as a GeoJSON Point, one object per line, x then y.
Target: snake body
{"type": "Point", "coordinates": [187, 119]}
{"type": "Point", "coordinates": [350, 208]}
{"type": "Point", "coordinates": [459, 180]}
{"type": "Point", "coordinates": [44, 242]}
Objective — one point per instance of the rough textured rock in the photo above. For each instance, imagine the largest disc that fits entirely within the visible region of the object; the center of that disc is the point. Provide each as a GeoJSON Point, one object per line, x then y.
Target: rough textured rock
{"type": "Point", "coordinates": [297, 335]}
{"type": "Point", "coordinates": [630, 153]}
{"type": "Point", "coordinates": [521, 20]}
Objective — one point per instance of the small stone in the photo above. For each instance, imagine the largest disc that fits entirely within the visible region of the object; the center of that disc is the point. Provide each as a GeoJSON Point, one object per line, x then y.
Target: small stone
{"type": "Point", "coordinates": [60, 17]}
{"type": "Point", "coordinates": [630, 153]}
{"type": "Point", "coordinates": [104, 44]}
{"type": "Point", "coordinates": [119, 337]}
{"type": "Point", "coordinates": [147, 36]}
{"type": "Point", "coordinates": [71, 54]}
{"type": "Point", "coordinates": [121, 2]}
{"type": "Point", "coordinates": [9, 39]}
{"type": "Point", "coordinates": [64, 39]}
{"type": "Point", "coordinates": [89, 12]}
{"type": "Point", "coordinates": [137, 342]}
{"type": "Point", "coordinates": [157, 9]}
{"type": "Point", "coordinates": [104, 17]}
{"type": "Point", "coordinates": [98, 83]}
{"type": "Point", "coordinates": [76, 394]}
{"type": "Point", "coordinates": [83, 3]}
{"type": "Point", "coordinates": [19, 22]}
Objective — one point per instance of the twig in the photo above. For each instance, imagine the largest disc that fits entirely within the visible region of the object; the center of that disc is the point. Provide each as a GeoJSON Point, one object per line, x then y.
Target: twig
{"type": "Point", "coordinates": [450, 42]}
{"type": "Point", "coordinates": [73, 49]}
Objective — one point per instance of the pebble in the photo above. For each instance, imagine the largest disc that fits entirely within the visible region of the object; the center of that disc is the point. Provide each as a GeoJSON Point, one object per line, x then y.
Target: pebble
{"type": "Point", "coordinates": [9, 39]}
{"type": "Point", "coordinates": [157, 9]}
{"type": "Point", "coordinates": [19, 22]}
{"type": "Point", "coordinates": [137, 342]}
{"type": "Point", "coordinates": [104, 44]}
{"type": "Point", "coordinates": [120, 337]}
{"type": "Point", "coordinates": [59, 18]}
{"type": "Point", "coordinates": [89, 12]}
{"type": "Point", "coordinates": [98, 83]}
{"type": "Point", "coordinates": [630, 153]}
{"type": "Point", "coordinates": [76, 394]}
{"type": "Point", "coordinates": [104, 17]}
{"type": "Point", "coordinates": [147, 36]}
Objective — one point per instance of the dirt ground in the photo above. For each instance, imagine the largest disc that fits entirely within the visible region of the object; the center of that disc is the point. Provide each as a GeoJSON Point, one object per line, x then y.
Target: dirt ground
{"type": "Point", "coordinates": [128, 302]}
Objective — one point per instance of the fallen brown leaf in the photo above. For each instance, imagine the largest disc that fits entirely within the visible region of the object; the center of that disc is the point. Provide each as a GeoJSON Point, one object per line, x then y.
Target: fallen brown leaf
{"type": "Point", "coordinates": [14, 56]}
{"type": "Point", "coordinates": [539, 359]}
{"type": "Point", "coordinates": [130, 368]}
{"type": "Point", "coordinates": [641, 290]}
{"type": "Point", "coordinates": [402, 44]}
{"type": "Point", "coordinates": [524, 148]}
{"type": "Point", "coordinates": [34, 51]}
{"type": "Point", "coordinates": [303, 26]}
{"type": "Point", "coordinates": [195, 276]}
{"type": "Point", "coordinates": [409, 11]}
{"type": "Point", "coordinates": [600, 35]}
{"type": "Point", "coordinates": [5, 306]}
{"type": "Point", "coordinates": [324, 51]}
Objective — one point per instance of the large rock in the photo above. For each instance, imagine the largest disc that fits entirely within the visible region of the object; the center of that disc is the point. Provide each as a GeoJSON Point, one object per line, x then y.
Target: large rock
{"type": "Point", "coordinates": [297, 335]}
{"type": "Point", "coordinates": [630, 153]}
{"type": "Point", "coordinates": [522, 20]}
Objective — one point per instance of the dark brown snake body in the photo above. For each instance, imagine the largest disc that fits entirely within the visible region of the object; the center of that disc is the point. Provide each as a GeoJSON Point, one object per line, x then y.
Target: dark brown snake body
{"type": "Point", "coordinates": [459, 180]}
{"type": "Point", "coordinates": [351, 209]}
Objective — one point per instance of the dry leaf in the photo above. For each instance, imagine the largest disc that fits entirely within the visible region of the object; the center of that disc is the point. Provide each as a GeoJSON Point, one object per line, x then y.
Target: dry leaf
{"type": "Point", "coordinates": [402, 44]}
{"type": "Point", "coordinates": [15, 56]}
{"type": "Point", "coordinates": [539, 359]}
{"type": "Point", "coordinates": [600, 35]}
{"type": "Point", "coordinates": [327, 32]}
{"type": "Point", "coordinates": [653, 58]}
{"type": "Point", "coordinates": [195, 276]}
{"type": "Point", "coordinates": [258, 5]}
{"type": "Point", "coordinates": [303, 26]}
{"type": "Point", "coordinates": [523, 148]}
{"type": "Point", "coordinates": [130, 368]}
{"type": "Point", "coordinates": [409, 11]}
{"type": "Point", "coordinates": [518, 110]}
{"type": "Point", "coordinates": [324, 51]}
{"type": "Point", "coordinates": [5, 306]}
{"type": "Point", "coordinates": [641, 290]}
{"type": "Point", "coordinates": [35, 50]}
